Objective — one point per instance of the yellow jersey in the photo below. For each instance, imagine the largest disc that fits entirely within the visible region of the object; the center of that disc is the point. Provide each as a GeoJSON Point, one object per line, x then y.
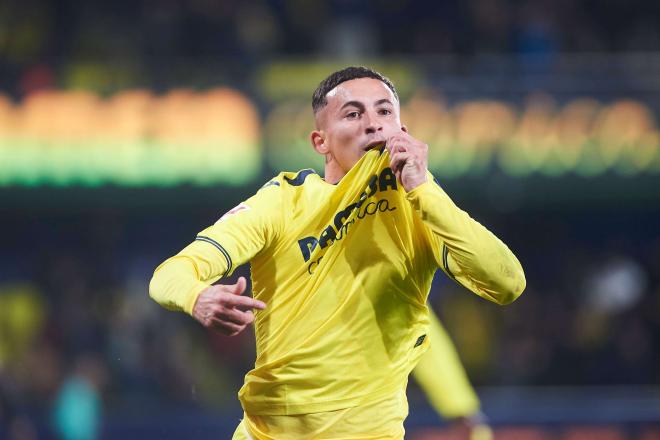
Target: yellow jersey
{"type": "Point", "coordinates": [441, 375]}
{"type": "Point", "coordinates": [345, 271]}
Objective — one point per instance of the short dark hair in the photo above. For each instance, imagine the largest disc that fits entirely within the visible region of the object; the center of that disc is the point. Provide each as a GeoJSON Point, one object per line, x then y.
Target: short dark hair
{"type": "Point", "coordinates": [319, 99]}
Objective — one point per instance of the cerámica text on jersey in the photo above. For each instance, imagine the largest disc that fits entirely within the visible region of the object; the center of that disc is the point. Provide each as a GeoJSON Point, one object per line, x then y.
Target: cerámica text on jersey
{"type": "Point", "coordinates": [386, 180]}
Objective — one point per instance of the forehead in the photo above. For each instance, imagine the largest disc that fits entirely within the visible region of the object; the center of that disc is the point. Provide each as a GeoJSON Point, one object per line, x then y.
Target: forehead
{"type": "Point", "coordinates": [364, 90]}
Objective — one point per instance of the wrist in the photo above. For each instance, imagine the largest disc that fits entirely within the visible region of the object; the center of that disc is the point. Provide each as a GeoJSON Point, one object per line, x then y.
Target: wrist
{"type": "Point", "coordinates": [414, 183]}
{"type": "Point", "coordinates": [194, 293]}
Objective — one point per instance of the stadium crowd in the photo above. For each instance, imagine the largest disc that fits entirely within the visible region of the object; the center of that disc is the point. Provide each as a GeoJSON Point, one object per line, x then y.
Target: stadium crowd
{"type": "Point", "coordinates": [44, 43]}
{"type": "Point", "coordinates": [74, 310]}
{"type": "Point", "coordinates": [77, 328]}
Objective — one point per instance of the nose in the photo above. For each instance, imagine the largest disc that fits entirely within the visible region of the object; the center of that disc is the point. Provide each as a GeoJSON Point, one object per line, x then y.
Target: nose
{"type": "Point", "coordinates": [372, 124]}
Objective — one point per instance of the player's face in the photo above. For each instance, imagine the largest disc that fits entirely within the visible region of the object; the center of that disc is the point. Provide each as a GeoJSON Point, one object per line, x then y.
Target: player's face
{"type": "Point", "coordinates": [361, 114]}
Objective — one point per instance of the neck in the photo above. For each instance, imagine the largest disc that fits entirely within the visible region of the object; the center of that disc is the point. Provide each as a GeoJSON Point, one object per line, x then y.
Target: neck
{"type": "Point", "coordinates": [332, 173]}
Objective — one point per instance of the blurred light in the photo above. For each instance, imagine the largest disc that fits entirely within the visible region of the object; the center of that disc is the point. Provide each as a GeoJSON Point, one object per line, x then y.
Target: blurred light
{"type": "Point", "coordinates": [616, 286]}
{"type": "Point", "coordinates": [135, 138]}
{"type": "Point", "coordinates": [582, 137]}
{"type": "Point", "coordinates": [132, 138]}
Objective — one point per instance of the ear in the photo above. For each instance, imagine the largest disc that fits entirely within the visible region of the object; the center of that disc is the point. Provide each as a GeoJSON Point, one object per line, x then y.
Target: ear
{"type": "Point", "coordinates": [404, 128]}
{"type": "Point", "coordinates": [318, 142]}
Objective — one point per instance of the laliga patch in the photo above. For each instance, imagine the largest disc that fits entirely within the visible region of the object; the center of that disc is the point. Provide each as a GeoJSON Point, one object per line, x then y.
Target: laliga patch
{"type": "Point", "coordinates": [238, 208]}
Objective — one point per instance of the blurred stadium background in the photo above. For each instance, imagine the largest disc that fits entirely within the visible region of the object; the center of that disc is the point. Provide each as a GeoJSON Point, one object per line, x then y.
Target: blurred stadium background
{"type": "Point", "coordinates": [128, 126]}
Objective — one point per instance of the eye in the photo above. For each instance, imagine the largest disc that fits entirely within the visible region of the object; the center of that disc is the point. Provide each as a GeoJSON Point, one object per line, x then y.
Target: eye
{"type": "Point", "coordinates": [352, 115]}
{"type": "Point", "coordinates": [384, 111]}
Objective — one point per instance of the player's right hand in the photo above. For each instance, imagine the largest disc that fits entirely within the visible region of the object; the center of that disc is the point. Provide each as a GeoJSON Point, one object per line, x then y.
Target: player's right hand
{"type": "Point", "coordinates": [223, 308]}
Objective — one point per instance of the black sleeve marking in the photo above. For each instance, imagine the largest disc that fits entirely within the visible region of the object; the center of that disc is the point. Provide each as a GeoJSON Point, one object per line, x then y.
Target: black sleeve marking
{"type": "Point", "coordinates": [271, 183]}
{"type": "Point", "coordinates": [220, 248]}
{"type": "Point", "coordinates": [300, 177]}
{"type": "Point", "coordinates": [445, 261]}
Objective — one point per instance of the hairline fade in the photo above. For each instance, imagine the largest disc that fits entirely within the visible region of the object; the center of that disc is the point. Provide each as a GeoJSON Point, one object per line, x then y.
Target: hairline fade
{"type": "Point", "coordinates": [319, 98]}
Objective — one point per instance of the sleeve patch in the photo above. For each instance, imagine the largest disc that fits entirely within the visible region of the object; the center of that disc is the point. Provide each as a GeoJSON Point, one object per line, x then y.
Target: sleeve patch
{"type": "Point", "coordinates": [235, 210]}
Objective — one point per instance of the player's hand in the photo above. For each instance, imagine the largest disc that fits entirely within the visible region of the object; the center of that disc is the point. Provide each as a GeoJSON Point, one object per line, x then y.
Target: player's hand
{"type": "Point", "coordinates": [223, 308]}
{"type": "Point", "coordinates": [408, 159]}
{"type": "Point", "coordinates": [472, 428]}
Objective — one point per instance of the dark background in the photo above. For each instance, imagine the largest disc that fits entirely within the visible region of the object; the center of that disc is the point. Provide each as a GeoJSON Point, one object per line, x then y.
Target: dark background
{"type": "Point", "coordinates": [580, 347]}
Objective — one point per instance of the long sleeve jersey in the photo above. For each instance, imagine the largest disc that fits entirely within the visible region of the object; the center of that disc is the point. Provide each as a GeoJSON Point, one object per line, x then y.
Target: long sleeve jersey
{"type": "Point", "coordinates": [345, 270]}
{"type": "Point", "coordinates": [441, 375]}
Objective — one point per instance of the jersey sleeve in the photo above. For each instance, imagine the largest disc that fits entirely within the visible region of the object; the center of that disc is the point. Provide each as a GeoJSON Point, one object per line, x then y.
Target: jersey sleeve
{"type": "Point", "coordinates": [234, 239]}
{"type": "Point", "coordinates": [464, 249]}
{"type": "Point", "coordinates": [442, 376]}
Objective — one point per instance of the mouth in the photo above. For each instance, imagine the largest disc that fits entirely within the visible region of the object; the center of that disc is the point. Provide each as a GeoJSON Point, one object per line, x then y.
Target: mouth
{"type": "Point", "coordinates": [374, 145]}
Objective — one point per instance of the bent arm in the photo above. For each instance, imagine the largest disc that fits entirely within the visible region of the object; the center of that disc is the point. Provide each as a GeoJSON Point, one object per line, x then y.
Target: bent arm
{"type": "Point", "coordinates": [179, 280]}
{"type": "Point", "coordinates": [218, 250]}
{"type": "Point", "coordinates": [469, 253]}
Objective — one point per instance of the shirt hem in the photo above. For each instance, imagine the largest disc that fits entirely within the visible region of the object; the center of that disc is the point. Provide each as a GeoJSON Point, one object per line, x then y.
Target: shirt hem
{"type": "Point", "coordinates": [287, 409]}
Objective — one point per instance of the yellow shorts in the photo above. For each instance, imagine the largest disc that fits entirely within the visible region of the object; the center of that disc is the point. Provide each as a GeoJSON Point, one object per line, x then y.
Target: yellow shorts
{"type": "Point", "coordinates": [382, 420]}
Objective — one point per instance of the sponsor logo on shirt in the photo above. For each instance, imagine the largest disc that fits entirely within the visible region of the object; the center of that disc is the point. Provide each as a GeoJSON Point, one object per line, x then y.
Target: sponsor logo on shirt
{"type": "Point", "coordinates": [339, 228]}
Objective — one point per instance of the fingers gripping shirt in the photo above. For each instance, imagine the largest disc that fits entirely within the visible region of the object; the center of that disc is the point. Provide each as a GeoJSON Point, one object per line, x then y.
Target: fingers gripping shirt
{"type": "Point", "coordinates": [345, 275]}
{"type": "Point", "coordinates": [346, 286]}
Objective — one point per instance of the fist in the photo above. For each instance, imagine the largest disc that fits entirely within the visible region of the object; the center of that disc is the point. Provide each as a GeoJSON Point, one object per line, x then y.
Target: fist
{"type": "Point", "coordinates": [223, 308]}
{"type": "Point", "coordinates": [408, 159]}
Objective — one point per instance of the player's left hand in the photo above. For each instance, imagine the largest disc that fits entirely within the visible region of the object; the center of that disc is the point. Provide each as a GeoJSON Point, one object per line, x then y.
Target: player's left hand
{"type": "Point", "coordinates": [472, 428]}
{"type": "Point", "coordinates": [408, 159]}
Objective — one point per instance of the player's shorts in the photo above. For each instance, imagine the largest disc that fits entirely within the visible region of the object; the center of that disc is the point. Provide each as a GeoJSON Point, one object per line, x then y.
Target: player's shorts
{"type": "Point", "coordinates": [381, 420]}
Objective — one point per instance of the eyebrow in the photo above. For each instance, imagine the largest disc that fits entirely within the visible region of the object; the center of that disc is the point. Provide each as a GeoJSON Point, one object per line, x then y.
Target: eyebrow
{"type": "Point", "coordinates": [383, 101]}
{"type": "Point", "coordinates": [360, 105]}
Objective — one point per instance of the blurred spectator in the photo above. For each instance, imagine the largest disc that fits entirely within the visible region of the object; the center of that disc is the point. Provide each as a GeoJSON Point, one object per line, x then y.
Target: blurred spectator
{"type": "Point", "coordinates": [616, 285]}
{"type": "Point", "coordinates": [537, 37]}
{"type": "Point", "coordinates": [492, 21]}
{"type": "Point", "coordinates": [77, 411]}
{"type": "Point", "coordinates": [592, 312]}
{"type": "Point", "coordinates": [35, 78]}
{"type": "Point", "coordinates": [348, 32]}
{"type": "Point", "coordinates": [22, 314]}
{"type": "Point", "coordinates": [235, 34]}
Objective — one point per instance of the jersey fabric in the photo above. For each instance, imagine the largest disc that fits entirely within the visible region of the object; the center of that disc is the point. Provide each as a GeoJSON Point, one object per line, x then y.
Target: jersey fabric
{"type": "Point", "coordinates": [442, 376]}
{"type": "Point", "coordinates": [381, 420]}
{"type": "Point", "coordinates": [345, 271]}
